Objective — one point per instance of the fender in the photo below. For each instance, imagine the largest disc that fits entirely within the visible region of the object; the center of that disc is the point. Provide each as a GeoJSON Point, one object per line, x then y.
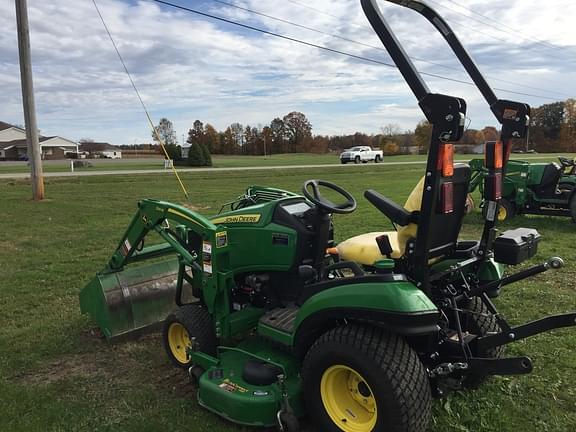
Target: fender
{"type": "Point", "coordinates": [399, 307]}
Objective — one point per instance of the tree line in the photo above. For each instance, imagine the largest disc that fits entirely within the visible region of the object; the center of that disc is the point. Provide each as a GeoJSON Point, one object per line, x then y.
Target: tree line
{"type": "Point", "coordinates": [553, 129]}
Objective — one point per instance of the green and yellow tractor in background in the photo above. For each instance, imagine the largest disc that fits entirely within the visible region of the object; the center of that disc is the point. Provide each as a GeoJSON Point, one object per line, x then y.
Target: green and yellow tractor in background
{"type": "Point", "coordinates": [532, 188]}
{"type": "Point", "coordinates": [273, 320]}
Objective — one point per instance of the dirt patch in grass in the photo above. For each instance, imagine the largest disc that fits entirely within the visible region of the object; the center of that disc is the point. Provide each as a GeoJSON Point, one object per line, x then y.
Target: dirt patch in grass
{"type": "Point", "coordinates": [124, 364]}
{"type": "Point", "coordinates": [8, 246]}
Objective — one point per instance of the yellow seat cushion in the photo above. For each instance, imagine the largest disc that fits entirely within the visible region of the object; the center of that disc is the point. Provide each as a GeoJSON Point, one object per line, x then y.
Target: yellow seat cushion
{"type": "Point", "coordinates": [363, 248]}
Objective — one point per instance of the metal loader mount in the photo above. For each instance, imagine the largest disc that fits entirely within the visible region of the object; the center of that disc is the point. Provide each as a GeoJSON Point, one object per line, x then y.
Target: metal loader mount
{"type": "Point", "coordinates": [272, 319]}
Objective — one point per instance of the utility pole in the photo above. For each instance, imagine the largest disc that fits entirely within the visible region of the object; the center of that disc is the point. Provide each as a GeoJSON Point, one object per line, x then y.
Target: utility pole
{"type": "Point", "coordinates": [34, 153]}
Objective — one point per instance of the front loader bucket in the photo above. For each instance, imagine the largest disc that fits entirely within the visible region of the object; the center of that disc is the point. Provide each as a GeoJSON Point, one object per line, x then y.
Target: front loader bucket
{"type": "Point", "coordinates": [129, 302]}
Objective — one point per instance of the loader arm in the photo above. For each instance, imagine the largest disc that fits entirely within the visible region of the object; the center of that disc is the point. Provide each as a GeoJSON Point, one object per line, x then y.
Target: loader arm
{"type": "Point", "coordinates": [125, 299]}
{"type": "Point", "coordinates": [153, 215]}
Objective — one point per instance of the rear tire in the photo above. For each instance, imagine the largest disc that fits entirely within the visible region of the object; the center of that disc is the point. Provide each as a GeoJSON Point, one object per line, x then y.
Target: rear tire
{"type": "Point", "coordinates": [480, 322]}
{"type": "Point", "coordinates": [378, 159]}
{"type": "Point", "coordinates": [362, 378]}
{"type": "Point", "coordinates": [187, 323]}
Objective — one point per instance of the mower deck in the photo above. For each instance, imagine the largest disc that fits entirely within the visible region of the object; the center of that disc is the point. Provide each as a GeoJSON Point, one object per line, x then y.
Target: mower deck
{"type": "Point", "coordinates": [241, 385]}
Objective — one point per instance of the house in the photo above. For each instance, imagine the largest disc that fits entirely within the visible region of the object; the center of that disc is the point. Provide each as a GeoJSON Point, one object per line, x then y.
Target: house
{"type": "Point", "coordinates": [185, 150]}
{"type": "Point", "coordinates": [101, 150]}
{"type": "Point", "coordinates": [13, 145]}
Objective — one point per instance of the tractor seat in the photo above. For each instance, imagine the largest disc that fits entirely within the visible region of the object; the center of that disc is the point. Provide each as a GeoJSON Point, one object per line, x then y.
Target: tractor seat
{"type": "Point", "coordinates": [549, 182]}
{"type": "Point", "coordinates": [363, 248]}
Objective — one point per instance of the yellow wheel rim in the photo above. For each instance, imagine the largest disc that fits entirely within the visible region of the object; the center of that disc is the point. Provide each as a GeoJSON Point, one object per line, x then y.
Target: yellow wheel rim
{"type": "Point", "coordinates": [348, 399]}
{"type": "Point", "coordinates": [502, 213]}
{"type": "Point", "coordinates": [179, 341]}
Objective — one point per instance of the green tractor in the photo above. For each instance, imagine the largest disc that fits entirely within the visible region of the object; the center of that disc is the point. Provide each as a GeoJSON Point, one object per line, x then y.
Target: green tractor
{"type": "Point", "coordinates": [273, 320]}
{"type": "Point", "coordinates": [533, 188]}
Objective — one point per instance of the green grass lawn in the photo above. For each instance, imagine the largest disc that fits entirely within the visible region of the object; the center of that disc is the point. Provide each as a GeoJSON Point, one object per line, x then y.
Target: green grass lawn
{"type": "Point", "coordinates": [235, 161]}
{"type": "Point", "coordinates": [55, 375]}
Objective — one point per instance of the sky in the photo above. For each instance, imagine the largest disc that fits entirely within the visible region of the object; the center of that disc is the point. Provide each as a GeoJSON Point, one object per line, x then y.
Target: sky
{"type": "Point", "coordinates": [190, 67]}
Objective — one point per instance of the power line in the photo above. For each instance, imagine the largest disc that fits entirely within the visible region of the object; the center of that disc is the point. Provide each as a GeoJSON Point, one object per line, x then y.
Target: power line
{"type": "Point", "coordinates": [492, 26]}
{"type": "Point", "coordinates": [368, 45]}
{"type": "Point", "coordinates": [332, 50]}
{"type": "Point", "coordinates": [325, 33]}
{"type": "Point", "coordinates": [154, 130]}
{"type": "Point", "coordinates": [516, 31]}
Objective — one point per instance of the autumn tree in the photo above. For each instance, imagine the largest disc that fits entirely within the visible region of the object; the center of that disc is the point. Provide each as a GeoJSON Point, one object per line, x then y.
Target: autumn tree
{"type": "Point", "coordinates": [196, 134]}
{"type": "Point", "coordinates": [212, 139]}
{"type": "Point", "coordinates": [490, 133]}
{"type": "Point", "coordinates": [228, 142]}
{"type": "Point", "coordinates": [165, 134]}
{"type": "Point", "coordinates": [278, 136]}
{"type": "Point", "coordinates": [546, 125]}
{"type": "Point", "coordinates": [319, 144]}
{"type": "Point", "coordinates": [267, 140]}
{"type": "Point", "coordinates": [568, 129]}
{"type": "Point", "coordinates": [250, 139]}
{"type": "Point", "coordinates": [298, 131]}
{"type": "Point", "coordinates": [422, 136]}
{"type": "Point", "coordinates": [389, 141]}
{"type": "Point", "coordinates": [390, 130]}
{"type": "Point", "coordinates": [237, 134]}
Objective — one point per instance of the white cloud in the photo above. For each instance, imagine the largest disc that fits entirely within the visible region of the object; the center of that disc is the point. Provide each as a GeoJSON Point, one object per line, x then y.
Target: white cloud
{"type": "Point", "coordinates": [189, 67]}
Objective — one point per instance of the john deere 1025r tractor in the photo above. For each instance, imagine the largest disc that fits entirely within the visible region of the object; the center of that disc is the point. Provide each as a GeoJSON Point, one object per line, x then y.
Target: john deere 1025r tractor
{"type": "Point", "coordinates": [273, 320]}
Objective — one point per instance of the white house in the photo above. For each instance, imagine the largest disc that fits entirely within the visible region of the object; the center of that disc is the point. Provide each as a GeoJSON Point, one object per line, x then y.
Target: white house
{"type": "Point", "coordinates": [101, 149]}
{"type": "Point", "coordinates": [13, 144]}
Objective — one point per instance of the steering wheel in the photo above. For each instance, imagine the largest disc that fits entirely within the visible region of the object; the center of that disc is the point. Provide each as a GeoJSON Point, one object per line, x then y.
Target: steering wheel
{"type": "Point", "coordinates": [316, 196]}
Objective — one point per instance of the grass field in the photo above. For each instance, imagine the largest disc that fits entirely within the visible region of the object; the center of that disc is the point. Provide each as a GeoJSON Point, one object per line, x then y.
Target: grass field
{"type": "Point", "coordinates": [223, 161]}
{"type": "Point", "coordinates": [56, 376]}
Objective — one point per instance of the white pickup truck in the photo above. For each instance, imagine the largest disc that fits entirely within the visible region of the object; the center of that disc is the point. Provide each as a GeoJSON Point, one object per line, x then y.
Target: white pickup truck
{"type": "Point", "coordinates": [361, 154]}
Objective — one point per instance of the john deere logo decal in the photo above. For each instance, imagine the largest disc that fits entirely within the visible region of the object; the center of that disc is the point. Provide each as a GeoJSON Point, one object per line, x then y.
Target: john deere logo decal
{"type": "Point", "coordinates": [245, 218]}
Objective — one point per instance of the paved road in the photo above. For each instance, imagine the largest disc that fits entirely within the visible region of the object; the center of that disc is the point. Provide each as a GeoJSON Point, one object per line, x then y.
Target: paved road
{"type": "Point", "coordinates": [81, 173]}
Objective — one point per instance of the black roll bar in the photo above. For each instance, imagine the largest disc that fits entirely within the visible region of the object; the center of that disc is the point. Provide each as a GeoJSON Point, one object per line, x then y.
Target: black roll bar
{"type": "Point", "coordinates": [514, 116]}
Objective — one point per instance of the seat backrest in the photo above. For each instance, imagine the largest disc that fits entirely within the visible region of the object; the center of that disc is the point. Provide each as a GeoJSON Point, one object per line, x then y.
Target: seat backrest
{"type": "Point", "coordinates": [445, 228]}
{"type": "Point", "coordinates": [550, 177]}
{"type": "Point", "coordinates": [413, 204]}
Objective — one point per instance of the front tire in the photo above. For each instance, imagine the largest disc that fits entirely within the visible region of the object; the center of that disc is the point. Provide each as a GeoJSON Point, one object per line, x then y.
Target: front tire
{"type": "Point", "coordinates": [506, 210]}
{"type": "Point", "coordinates": [188, 323]}
{"type": "Point", "coordinates": [363, 379]}
{"type": "Point", "coordinates": [357, 160]}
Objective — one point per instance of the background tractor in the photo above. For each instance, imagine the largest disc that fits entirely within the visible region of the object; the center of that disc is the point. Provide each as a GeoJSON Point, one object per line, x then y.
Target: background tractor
{"type": "Point", "coordinates": [532, 188]}
{"type": "Point", "coordinates": [274, 320]}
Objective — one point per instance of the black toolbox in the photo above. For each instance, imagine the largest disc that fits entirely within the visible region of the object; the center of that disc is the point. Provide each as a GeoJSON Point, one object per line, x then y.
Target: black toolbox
{"type": "Point", "coordinates": [517, 245]}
